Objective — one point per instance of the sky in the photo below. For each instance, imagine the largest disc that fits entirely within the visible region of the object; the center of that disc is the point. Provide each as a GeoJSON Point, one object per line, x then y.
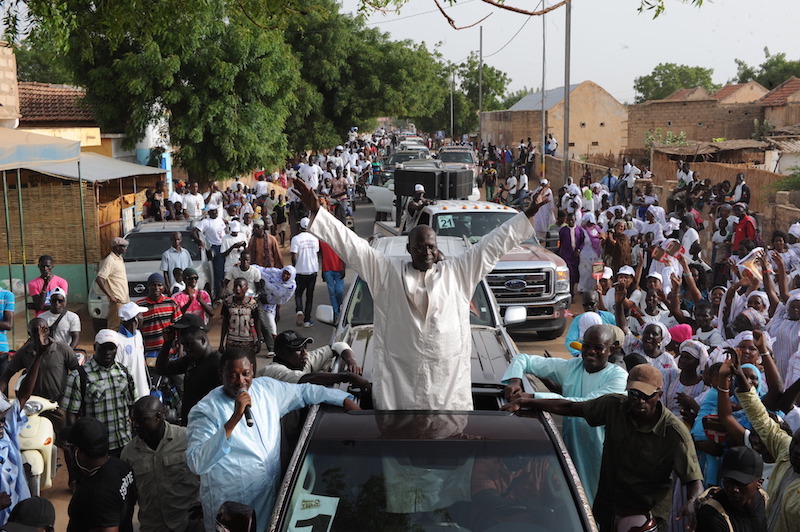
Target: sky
{"type": "Point", "coordinates": [611, 43]}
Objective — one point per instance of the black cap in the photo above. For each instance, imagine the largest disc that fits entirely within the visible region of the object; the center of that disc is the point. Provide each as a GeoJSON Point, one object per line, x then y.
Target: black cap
{"type": "Point", "coordinates": [89, 435]}
{"type": "Point", "coordinates": [30, 515]}
{"type": "Point", "coordinates": [291, 340]}
{"type": "Point", "coordinates": [742, 465]}
{"type": "Point", "coordinates": [190, 321]}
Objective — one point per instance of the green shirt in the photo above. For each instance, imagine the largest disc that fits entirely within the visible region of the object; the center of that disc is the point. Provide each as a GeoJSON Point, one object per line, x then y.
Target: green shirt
{"type": "Point", "coordinates": [637, 461]}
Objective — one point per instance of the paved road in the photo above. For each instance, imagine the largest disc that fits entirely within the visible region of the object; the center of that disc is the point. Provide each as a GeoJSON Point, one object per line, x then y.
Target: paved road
{"type": "Point", "coordinates": [364, 218]}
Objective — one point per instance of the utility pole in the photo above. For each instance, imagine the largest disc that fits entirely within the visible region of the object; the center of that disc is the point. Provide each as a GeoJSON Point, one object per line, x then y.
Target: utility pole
{"type": "Point", "coordinates": [452, 88]}
{"type": "Point", "coordinates": [544, 121]}
{"type": "Point", "coordinates": [480, 91]}
{"type": "Point", "coordinates": [567, 31]}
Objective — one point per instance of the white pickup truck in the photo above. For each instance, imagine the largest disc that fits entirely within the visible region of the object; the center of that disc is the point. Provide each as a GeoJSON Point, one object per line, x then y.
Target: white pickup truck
{"type": "Point", "coordinates": [529, 275]}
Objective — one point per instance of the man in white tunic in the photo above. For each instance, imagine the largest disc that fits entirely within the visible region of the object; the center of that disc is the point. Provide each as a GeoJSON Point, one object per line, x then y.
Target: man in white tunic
{"type": "Point", "coordinates": [422, 333]}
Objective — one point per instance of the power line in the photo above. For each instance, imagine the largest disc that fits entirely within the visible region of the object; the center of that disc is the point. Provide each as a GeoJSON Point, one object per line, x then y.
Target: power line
{"type": "Point", "coordinates": [511, 39]}
{"type": "Point", "coordinates": [416, 14]}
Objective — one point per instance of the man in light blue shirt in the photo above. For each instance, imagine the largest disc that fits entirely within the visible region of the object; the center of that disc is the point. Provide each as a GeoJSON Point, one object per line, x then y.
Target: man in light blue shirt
{"type": "Point", "coordinates": [581, 379]}
{"type": "Point", "coordinates": [175, 257]}
{"type": "Point", "coordinates": [237, 462]}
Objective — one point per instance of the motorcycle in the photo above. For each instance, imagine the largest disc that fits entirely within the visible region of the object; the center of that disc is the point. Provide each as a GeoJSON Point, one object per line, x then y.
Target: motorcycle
{"type": "Point", "coordinates": [37, 445]}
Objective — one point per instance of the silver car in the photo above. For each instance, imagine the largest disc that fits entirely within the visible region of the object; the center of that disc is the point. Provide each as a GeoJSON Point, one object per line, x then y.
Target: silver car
{"type": "Point", "coordinates": [148, 241]}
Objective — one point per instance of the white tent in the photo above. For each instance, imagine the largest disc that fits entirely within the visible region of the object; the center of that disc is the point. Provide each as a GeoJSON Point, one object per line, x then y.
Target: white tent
{"type": "Point", "coordinates": [94, 168]}
{"type": "Point", "coordinates": [21, 148]}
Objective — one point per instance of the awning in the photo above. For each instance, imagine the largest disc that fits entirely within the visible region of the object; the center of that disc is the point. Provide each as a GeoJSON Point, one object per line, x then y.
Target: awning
{"type": "Point", "coordinates": [95, 168]}
{"type": "Point", "coordinates": [20, 149]}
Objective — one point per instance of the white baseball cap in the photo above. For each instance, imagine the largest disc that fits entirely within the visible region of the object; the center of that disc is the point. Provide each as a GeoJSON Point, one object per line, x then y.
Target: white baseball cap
{"type": "Point", "coordinates": [130, 310]}
{"type": "Point", "coordinates": [107, 336]}
{"type": "Point", "coordinates": [304, 222]}
{"type": "Point", "coordinates": [419, 188]}
{"type": "Point", "coordinates": [626, 270]}
{"type": "Point", "coordinates": [608, 273]}
{"type": "Point", "coordinates": [234, 227]}
{"type": "Point", "coordinates": [655, 275]}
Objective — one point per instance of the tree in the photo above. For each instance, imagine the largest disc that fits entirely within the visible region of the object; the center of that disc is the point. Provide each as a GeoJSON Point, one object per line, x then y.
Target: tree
{"type": "Point", "coordinates": [351, 74]}
{"type": "Point", "coordinates": [666, 78]}
{"type": "Point", "coordinates": [39, 60]}
{"type": "Point", "coordinates": [514, 96]}
{"type": "Point", "coordinates": [772, 72]}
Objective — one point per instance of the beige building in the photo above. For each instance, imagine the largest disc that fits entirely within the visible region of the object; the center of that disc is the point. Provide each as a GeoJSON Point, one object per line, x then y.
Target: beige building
{"type": "Point", "coordinates": [782, 104]}
{"type": "Point", "coordinates": [597, 123]}
{"type": "Point", "coordinates": [740, 93]}
{"type": "Point", "coordinates": [9, 91]}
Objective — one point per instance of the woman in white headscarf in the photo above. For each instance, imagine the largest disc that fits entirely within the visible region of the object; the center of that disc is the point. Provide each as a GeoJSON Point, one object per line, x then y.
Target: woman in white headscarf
{"type": "Point", "coordinates": [654, 219]}
{"type": "Point", "coordinates": [784, 328]}
{"type": "Point", "coordinates": [591, 252]}
{"type": "Point", "coordinates": [279, 287]}
{"type": "Point", "coordinates": [572, 200]}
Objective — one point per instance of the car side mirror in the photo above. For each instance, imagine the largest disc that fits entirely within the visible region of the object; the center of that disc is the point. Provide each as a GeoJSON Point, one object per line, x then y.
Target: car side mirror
{"type": "Point", "coordinates": [515, 315]}
{"type": "Point", "coordinates": [324, 314]}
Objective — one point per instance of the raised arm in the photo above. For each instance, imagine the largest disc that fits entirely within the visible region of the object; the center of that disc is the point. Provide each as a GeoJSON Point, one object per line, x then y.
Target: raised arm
{"type": "Point", "coordinates": [619, 307]}
{"type": "Point", "coordinates": [562, 407]}
{"type": "Point", "coordinates": [735, 431]}
{"type": "Point", "coordinates": [780, 276]}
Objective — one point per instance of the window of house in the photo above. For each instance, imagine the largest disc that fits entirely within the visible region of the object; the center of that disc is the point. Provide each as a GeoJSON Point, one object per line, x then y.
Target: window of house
{"type": "Point", "coordinates": [595, 143]}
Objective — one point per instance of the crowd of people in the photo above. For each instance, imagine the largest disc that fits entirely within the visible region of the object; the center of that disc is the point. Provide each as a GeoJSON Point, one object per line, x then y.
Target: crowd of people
{"type": "Point", "coordinates": [680, 397]}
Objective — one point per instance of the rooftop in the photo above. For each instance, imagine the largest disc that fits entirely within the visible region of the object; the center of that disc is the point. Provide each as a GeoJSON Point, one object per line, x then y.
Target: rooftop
{"type": "Point", "coordinates": [533, 101]}
{"type": "Point", "coordinates": [694, 93]}
{"type": "Point", "coordinates": [780, 94]}
{"type": "Point", "coordinates": [41, 103]}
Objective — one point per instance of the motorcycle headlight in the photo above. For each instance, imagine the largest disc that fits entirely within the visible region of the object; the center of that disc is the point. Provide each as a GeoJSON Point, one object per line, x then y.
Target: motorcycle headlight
{"type": "Point", "coordinates": [562, 279]}
{"type": "Point", "coordinates": [33, 407]}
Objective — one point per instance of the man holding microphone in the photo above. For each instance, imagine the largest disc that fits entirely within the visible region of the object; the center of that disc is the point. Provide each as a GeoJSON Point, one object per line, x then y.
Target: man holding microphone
{"type": "Point", "coordinates": [239, 460]}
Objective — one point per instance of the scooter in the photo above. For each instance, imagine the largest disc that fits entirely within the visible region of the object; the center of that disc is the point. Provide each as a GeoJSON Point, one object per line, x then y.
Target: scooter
{"type": "Point", "coordinates": [37, 444]}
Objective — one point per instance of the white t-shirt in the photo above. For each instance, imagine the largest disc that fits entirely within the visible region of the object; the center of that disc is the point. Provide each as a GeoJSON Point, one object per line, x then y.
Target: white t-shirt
{"type": "Point", "coordinates": [213, 229]}
{"type": "Point", "coordinates": [214, 198]}
{"type": "Point", "coordinates": [306, 246]}
{"type": "Point", "coordinates": [130, 354]}
{"type": "Point", "coordinates": [228, 242]}
{"type": "Point", "coordinates": [523, 181]}
{"type": "Point", "coordinates": [194, 205]}
{"type": "Point", "coordinates": [262, 188]}
{"type": "Point", "coordinates": [632, 176]}
{"type": "Point", "coordinates": [69, 324]}
{"type": "Point", "coordinates": [174, 198]}
{"type": "Point", "coordinates": [252, 274]}
{"type": "Point", "coordinates": [511, 185]}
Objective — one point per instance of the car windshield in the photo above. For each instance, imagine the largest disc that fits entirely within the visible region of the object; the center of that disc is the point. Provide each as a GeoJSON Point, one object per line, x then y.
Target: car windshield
{"type": "Point", "coordinates": [150, 246]}
{"type": "Point", "coordinates": [360, 307]}
{"type": "Point", "coordinates": [401, 158]}
{"type": "Point", "coordinates": [473, 225]}
{"type": "Point", "coordinates": [436, 483]}
{"type": "Point", "coordinates": [456, 157]}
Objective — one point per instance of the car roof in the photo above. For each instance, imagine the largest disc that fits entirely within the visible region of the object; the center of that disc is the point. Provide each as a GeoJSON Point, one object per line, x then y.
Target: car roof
{"type": "Point", "coordinates": [163, 227]}
{"type": "Point", "coordinates": [457, 148]}
{"type": "Point", "coordinates": [405, 152]}
{"type": "Point", "coordinates": [467, 205]}
{"type": "Point", "coordinates": [395, 246]}
{"type": "Point", "coordinates": [336, 424]}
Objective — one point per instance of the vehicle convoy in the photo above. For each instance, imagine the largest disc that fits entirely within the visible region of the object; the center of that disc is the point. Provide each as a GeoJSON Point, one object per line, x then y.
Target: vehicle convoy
{"type": "Point", "coordinates": [147, 242]}
{"type": "Point", "coordinates": [428, 470]}
{"type": "Point", "coordinates": [460, 157]}
{"type": "Point", "coordinates": [529, 275]}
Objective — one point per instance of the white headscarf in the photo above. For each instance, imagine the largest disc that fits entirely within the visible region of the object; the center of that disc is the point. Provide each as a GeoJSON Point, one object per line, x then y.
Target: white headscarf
{"type": "Point", "coordinates": [666, 337]}
{"type": "Point", "coordinates": [588, 218]}
{"type": "Point", "coordinates": [586, 320]}
{"type": "Point", "coordinates": [698, 350]}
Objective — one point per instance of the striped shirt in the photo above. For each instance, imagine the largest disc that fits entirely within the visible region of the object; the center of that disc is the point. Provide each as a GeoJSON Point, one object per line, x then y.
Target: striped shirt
{"type": "Point", "coordinates": [108, 397]}
{"type": "Point", "coordinates": [160, 315]}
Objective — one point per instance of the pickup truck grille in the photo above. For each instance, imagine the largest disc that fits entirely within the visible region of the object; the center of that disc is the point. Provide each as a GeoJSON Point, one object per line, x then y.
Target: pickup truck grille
{"type": "Point", "coordinates": [524, 287]}
{"type": "Point", "coordinates": [137, 289]}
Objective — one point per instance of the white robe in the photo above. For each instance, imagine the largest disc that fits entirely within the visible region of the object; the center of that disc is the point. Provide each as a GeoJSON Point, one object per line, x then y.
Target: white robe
{"type": "Point", "coordinates": [422, 335]}
{"type": "Point", "coordinates": [545, 216]}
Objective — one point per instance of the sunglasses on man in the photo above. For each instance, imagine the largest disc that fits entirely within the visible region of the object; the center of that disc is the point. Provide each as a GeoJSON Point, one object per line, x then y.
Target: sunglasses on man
{"type": "Point", "coordinates": [640, 395]}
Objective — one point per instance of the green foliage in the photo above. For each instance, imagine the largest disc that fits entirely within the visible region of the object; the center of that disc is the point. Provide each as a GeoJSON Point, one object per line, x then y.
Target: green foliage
{"type": "Point", "coordinates": [657, 7]}
{"type": "Point", "coordinates": [772, 72]}
{"type": "Point", "coordinates": [790, 182]}
{"type": "Point", "coordinates": [670, 138]}
{"type": "Point", "coordinates": [666, 78]}
{"type": "Point", "coordinates": [38, 59]}
{"type": "Point", "coordinates": [352, 74]}
{"type": "Point", "coordinates": [761, 129]}
{"type": "Point", "coordinates": [514, 96]}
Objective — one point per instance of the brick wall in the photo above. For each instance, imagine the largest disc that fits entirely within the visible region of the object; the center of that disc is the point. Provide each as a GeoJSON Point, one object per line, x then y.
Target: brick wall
{"type": "Point", "coordinates": [785, 115]}
{"type": "Point", "coordinates": [780, 214]}
{"type": "Point", "coordinates": [700, 119]}
{"type": "Point", "coordinates": [502, 128]}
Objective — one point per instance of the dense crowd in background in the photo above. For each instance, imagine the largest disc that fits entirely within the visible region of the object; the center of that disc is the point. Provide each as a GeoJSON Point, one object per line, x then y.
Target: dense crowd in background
{"type": "Point", "coordinates": [683, 283]}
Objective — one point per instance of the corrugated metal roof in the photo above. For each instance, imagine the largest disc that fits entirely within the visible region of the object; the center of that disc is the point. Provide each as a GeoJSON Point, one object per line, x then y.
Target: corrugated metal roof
{"type": "Point", "coordinates": [533, 101]}
{"type": "Point", "coordinates": [786, 145]}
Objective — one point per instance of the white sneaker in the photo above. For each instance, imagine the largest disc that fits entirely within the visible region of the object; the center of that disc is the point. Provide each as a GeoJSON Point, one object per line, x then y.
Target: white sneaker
{"type": "Point", "coordinates": [308, 324]}
{"type": "Point", "coordinates": [299, 318]}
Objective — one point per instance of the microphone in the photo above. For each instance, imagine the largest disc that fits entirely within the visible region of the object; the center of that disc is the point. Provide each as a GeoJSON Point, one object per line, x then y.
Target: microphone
{"type": "Point", "coordinates": [248, 415]}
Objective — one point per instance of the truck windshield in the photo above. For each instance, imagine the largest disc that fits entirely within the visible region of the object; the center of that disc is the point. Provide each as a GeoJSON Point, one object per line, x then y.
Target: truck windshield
{"type": "Point", "coordinates": [456, 157]}
{"type": "Point", "coordinates": [473, 225]}
{"type": "Point", "coordinates": [150, 246]}
{"type": "Point", "coordinates": [401, 158]}
{"type": "Point", "coordinates": [360, 307]}
{"type": "Point", "coordinates": [435, 482]}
